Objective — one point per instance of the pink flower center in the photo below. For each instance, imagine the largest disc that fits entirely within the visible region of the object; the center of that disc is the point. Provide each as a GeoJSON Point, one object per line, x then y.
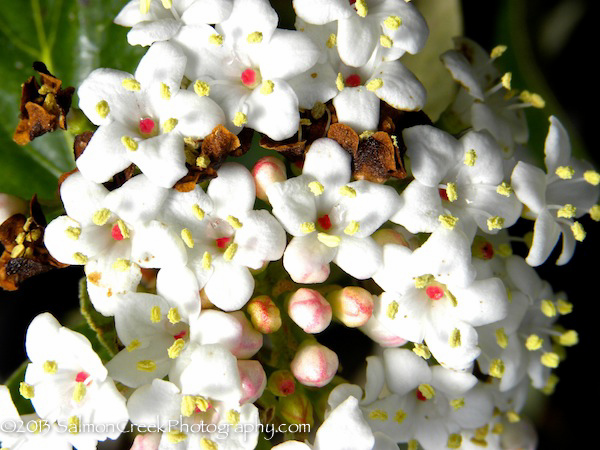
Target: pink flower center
{"type": "Point", "coordinates": [180, 335]}
{"type": "Point", "coordinates": [324, 222]}
{"type": "Point", "coordinates": [223, 242]}
{"type": "Point", "coordinates": [353, 80]}
{"type": "Point", "coordinates": [434, 292]}
{"type": "Point", "coordinates": [147, 126]}
{"type": "Point", "coordinates": [421, 396]}
{"type": "Point", "coordinates": [116, 232]}
{"type": "Point", "coordinates": [443, 194]}
{"type": "Point", "coordinates": [81, 377]}
{"type": "Point", "coordinates": [250, 78]}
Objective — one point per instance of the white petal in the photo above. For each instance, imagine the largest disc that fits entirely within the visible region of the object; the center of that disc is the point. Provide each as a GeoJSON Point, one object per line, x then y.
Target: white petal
{"type": "Point", "coordinates": [137, 201]}
{"type": "Point", "coordinates": [319, 13]}
{"type": "Point", "coordinates": [230, 285]}
{"type": "Point", "coordinates": [260, 239]}
{"type": "Point", "coordinates": [163, 63]}
{"type": "Point", "coordinates": [307, 260]}
{"type": "Point", "coordinates": [91, 242]}
{"type": "Point", "coordinates": [419, 208]}
{"type": "Point", "coordinates": [249, 16]}
{"type": "Point", "coordinates": [357, 38]}
{"type": "Point", "coordinates": [409, 321]}
{"type": "Point", "coordinates": [328, 163]}
{"type": "Point", "coordinates": [546, 233]}
{"type": "Point", "coordinates": [216, 327]}
{"type": "Point", "coordinates": [375, 379]}
{"type": "Point", "coordinates": [437, 338]}
{"type": "Point", "coordinates": [178, 208]}
{"type": "Point", "coordinates": [359, 257]}
{"type": "Point", "coordinates": [155, 403]}
{"type": "Point", "coordinates": [392, 275]}
{"type": "Point", "coordinates": [207, 11]}
{"type": "Point", "coordinates": [345, 428]}
{"type": "Point", "coordinates": [81, 197]}
{"type": "Point", "coordinates": [404, 370]}
{"type": "Point", "coordinates": [483, 302]}
{"type": "Point", "coordinates": [154, 245]}
{"type": "Point", "coordinates": [197, 116]}
{"type": "Point", "coordinates": [451, 382]}
{"type": "Point", "coordinates": [161, 158]}
{"type": "Point", "coordinates": [148, 32]}
{"type": "Point", "coordinates": [314, 85]}
{"type": "Point", "coordinates": [293, 203]}
{"type": "Point", "coordinates": [233, 191]}
{"type": "Point", "coordinates": [557, 146]}
{"type": "Point", "coordinates": [462, 72]}
{"type": "Point", "coordinates": [358, 108]}
{"type": "Point", "coordinates": [529, 183]}
{"type": "Point", "coordinates": [287, 54]}
{"type": "Point", "coordinates": [178, 285]}
{"type": "Point", "coordinates": [488, 167]}
{"type": "Point", "coordinates": [478, 409]}
{"type": "Point", "coordinates": [401, 89]}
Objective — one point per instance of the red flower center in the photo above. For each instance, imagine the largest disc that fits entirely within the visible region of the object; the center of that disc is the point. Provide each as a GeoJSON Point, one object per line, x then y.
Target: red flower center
{"type": "Point", "coordinates": [421, 396]}
{"type": "Point", "coordinates": [249, 77]}
{"type": "Point", "coordinates": [116, 232]}
{"type": "Point", "coordinates": [487, 250]}
{"type": "Point", "coordinates": [180, 335]}
{"type": "Point", "coordinates": [147, 126]}
{"type": "Point", "coordinates": [443, 194]}
{"type": "Point", "coordinates": [434, 292]}
{"type": "Point", "coordinates": [223, 242]}
{"type": "Point", "coordinates": [81, 377]}
{"type": "Point", "coordinates": [353, 80]}
{"type": "Point", "coordinates": [324, 222]}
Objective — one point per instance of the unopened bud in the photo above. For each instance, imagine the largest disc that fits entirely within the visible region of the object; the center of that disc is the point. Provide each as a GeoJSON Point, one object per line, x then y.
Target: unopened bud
{"type": "Point", "coordinates": [264, 314]}
{"type": "Point", "coordinates": [309, 310]}
{"type": "Point", "coordinates": [296, 409]}
{"type": "Point", "coordinates": [314, 364]}
{"type": "Point", "coordinates": [266, 171]}
{"type": "Point", "coordinates": [352, 305]}
{"type": "Point", "coordinates": [254, 380]}
{"type": "Point", "coordinates": [282, 383]}
{"type": "Point", "coordinates": [148, 441]}
{"type": "Point", "coordinates": [251, 340]}
{"type": "Point", "coordinates": [380, 334]}
{"type": "Point", "coordinates": [11, 205]}
{"type": "Point", "coordinates": [387, 236]}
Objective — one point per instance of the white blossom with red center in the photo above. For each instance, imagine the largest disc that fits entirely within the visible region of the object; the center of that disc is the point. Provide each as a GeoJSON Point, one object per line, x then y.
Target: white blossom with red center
{"type": "Point", "coordinates": [143, 118]}
{"type": "Point", "coordinates": [330, 217]}
{"type": "Point", "coordinates": [67, 383]}
{"type": "Point", "coordinates": [113, 234]}
{"type": "Point", "coordinates": [431, 296]}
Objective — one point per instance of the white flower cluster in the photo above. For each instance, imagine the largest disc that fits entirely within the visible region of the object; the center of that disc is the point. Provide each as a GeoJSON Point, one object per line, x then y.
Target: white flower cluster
{"type": "Point", "coordinates": [475, 322]}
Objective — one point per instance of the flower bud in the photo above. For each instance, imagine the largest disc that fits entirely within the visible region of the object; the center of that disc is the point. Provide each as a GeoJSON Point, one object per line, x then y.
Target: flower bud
{"type": "Point", "coordinates": [388, 236]}
{"type": "Point", "coordinates": [148, 441]}
{"type": "Point", "coordinates": [352, 305]}
{"type": "Point", "coordinates": [314, 364]}
{"type": "Point", "coordinates": [296, 409]}
{"type": "Point", "coordinates": [380, 334]}
{"type": "Point", "coordinates": [264, 314]}
{"type": "Point", "coordinates": [282, 383]}
{"type": "Point", "coordinates": [266, 171]}
{"type": "Point", "coordinates": [251, 340]}
{"type": "Point", "coordinates": [309, 310]}
{"type": "Point", "coordinates": [254, 380]}
{"type": "Point", "coordinates": [11, 205]}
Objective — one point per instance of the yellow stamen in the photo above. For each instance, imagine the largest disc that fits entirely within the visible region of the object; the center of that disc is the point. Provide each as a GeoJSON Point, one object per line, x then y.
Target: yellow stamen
{"type": "Point", "coordinates": [578, 231]}
{"type": "Point", "coordinates": [421, 350]}
{"type": "Point", "coordinates": [215, 39]}
{"type": "Point", "coordinates": [176, 348]}
{"type": "Point", "coordinates": [454, 441]}
{"type": "Point", "coordinates": [174, 316]}
{"type": "Point", "coordinates": [361, 8]}
{"type": "Point", "coordinates": [230, 251]}
{"type": "Point", "coordinates": [498, 428]}
{"type": "Point", "coordinates": [504, 189]}
{"type": "Point", "coordinates": [169, 125]}
{"type": "Point", "coordinates": [513, 416]}
{"type": "Point", "coordinates": [568, 211]}
{"type": "Point", "coordinates": [318, 110]}
{"type": "Point", "coordinates": [550, 359]}
{"type": "Point", "coordinates": [470, 158]}
{"type": "Point", "coordinates": [307, 227]}
{"type": "Point", "coordinates": [167, 4]}
{"type": "Point", "coordinates": [366, 134]}
{"type": "Point", "coordinates": [329, 240]}
{"type": "Point", "coordinates": [454, 339]}
{"type": "Point", "coordinates": [592, 177]}
{"type": "Point", "coordinates": [316, 188]}
{"type": "Point", "coordinates": [457, 403]}
{"type": "Point", "coordinates": [378, 414]}
{"type": "Point", "coordinates": [501, 338]}
{"type": "Point", "coordinates": [234, 222]}
{"type": "Point", "coordinates": [133, 345]}
{"type": "Point", "coordinates": [331, 41]}
{"type": "Point", "coordinates": [165, 91]}
{"type": "Point", "coordinates": [533, 342]}
{"type": "Point", "coordinates": [548, 308]}
{"type": "Point", "coordinates": [497, 368]}
{"type": "Point", "coordinates": [240, 119]}
{"type": "Point", "coordinates": [79, 392]}
{"type": "Point", "coordinates": [202, 88]}
{"type": "Point", "coordinates": [255, 38]}
{"type": "Point", "coordinates": [305, 122]}
{"type": "Point", "coordinates": [155, 314]}
{"type": "Point", "coordinates": [448, 221]}
{"type": "Point", "coordinates": [565, 172]}
{"type": "Point", "coordinates": [339, 82]}
{"type": "Point", "coordinates": [187, 237]}
{"type": "Point", "coordinates": [203, 161]}
{"type": "Point", "coordinates": [73, 233]}
{"type": "Point", "coordinates": [17, 251]}
{"type": "Point", "coordinates": [20, 238]}
{"type": "Point", "coordinates": [595, 213]}
{"type": "Point", "coordinates": [198, 212]}
{"type": "Point", "coordinates": [175, 437]}
{"type": "Point", "coordinates": [267, 87]}
{"type": "Point", "coordinates": [352, 228]}
{"type": "Point", "coordinates": [412, 445]}
{"type": "Point", "coordinates": [73, 425]}
{"type": "Point", "coordinates": [451, 192]}
{"type": "Point", "coordinates": [347, 191]}
{"type": "Point", "coordinates": [188, 405]}
{"type": "Point", "coordinates": [145, 6]}
{"type": "Point", "coordinates": [386, 41]}
{"type": "Point", "coordinates": [426, 391]}
{"type": "Point", "coordinates": [101, 216]}
{"type": "Point", "coordinates": [497, 51]}
{"type": "Point", "coordinates": [392, 22]}
{"type": "Point", "coordinates": [533, 99]}
{"type": "Point", "coordinates": [50, 367]}
{"type": "Point", "coordinates": [374, 84]}
{"type": "Point", "coordinates": [207, 444]}
{"type": "Point", "coordinates": [495, 223]}
{"type": "Point", "coordinates": [80, 258]}
{"type": "Point", "coordinates": [129, 143]}
{"type": "Point", "coordinates": [550, 386]}
{"type": "Point", "coordinates": [233, 417]}
{"type": "Point", "coordinates": [26, 390]}
{"type": "Point", "coordinates": [400, 416]}
{"type": "Point", "coordinates": [123, 229]}
{"type": "Point", "coordinates": [122, 265]}
{"type": "Point", "coordinates": [206, 261]}
{"type": "Point", "coordinates": [422, 281]}
{"type": "Point", "coordinates": [147, 365]}
{"type": "Point", "coordinates": [131, 84]}
{"type": "Point", "coordinates": [392, 310]}
{"type": "Point", "coordinates": [564, 307]}
{"type": "Point", "coordinates": [102, 109]}
{"type": "Point", "coordinates": [569, 338]}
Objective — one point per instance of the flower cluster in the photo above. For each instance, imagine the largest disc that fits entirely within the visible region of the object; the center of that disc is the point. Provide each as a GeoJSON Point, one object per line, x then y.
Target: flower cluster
{"type": "Point", "coordinates": [213, 330]}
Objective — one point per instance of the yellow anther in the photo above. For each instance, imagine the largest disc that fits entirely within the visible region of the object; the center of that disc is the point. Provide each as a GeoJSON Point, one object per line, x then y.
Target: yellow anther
{"type": "Point", "coordinates": [386, 41]}
{"type": "Point", "coordinates": [307, 227]}
{"type": "Point", "coordinates": [595, 213]}
{"type": "Point", "coordinates": [73, 232]}
{"type": "Point", "coordinates": [174, 316]}
{"type": "Point", "coordinates": [378, 414]}
{"type": "Point", "coordinates": [550, 359]}
{"type": "Point", "coordinates": [305, 122]}
{"type": "Point", "coordinates": [28, 224]}
{"type": "Point", "coordinates": [352, 228]}
{"type": "Point", "coordinates": [131, 84]}
{"type": "Point", "coordinates": [206, 261]}
{"type": "Point", "coordinates": [101, 216]}
{"type": "Point", "coordinates": [176, 348]}
{"type": "Point", "coordinates": [565, 172]}
{"type": "Point", "coordinates": [361, 8]}
{"type": "Point", "coordinates": [121, 265]}
{"type": "Point", "coordinates": [207, 444]}
{"type": "Point", "coordinates": [129, 143]}
{"type": "Point", "coordinates": [412, 445]}
{"type": "Point", "coordinates": [202, 88]}
{"type": "Point", "coordinates": [451, 297]}
{"type": "Point", "coordinates": [329, 240]}
{"type": "Point", "coordinates": [366, 134]}
{"type": "Point", "coordinates": [498, 428]}
{"type": "Point", "coordinates": [254, 38]}
{"type": "Point", "coordinates": [374, 84]}
{"type": "Point", "coordinates": [79, 392]}
{"type": "Point", "coordinates": [26, 390]}
{"type": "Point", "coordinates": [50, 367]}
{"type": "Point", "coordinates": [495, 223]}
{"type": "Point", "coordinates": [457, 403]}
{"type": "Point", "coordinates": [203, 161]}
{"type": "Point", "coordinates": [230, 251]}
{"type": "Point", "coordinates": [513, 416]}
{"type": "Point", "coordinates": [102, 109]}
{"type": "Point", "coordinates": [20, 238]}
{"type": "Point", "coordinates": [400, 416]}
{"type": "Point", "coordinates": [564, 307]}
{"type": "Point", "coordinates": [198, 212]}
{"type": "Point", "coordinates": [133, 345]}
{"type": "Point", "coordinates": [267, 87]}
{"type": "Point", "coordinates": [497, 368]}
{"type": "Point", "coordinates": [422, 281]}
{"type": "Point", "coordinates": [188, 405]}
{"type": "Point", "coordinates": [169, 125]}
{"type": "Point", "coordinates": [33, 235]}
{"type": "Point", "coordinates": [165, 91]}
{"type": "Point", "coordinates": [481, 432]}
{"type": "Point", "coordinates": [550, 386]}
{"type": "Point", "coordinates": [234, 222]}
{"type": "Point", "coordinates": [232, 417]}
{"type": "Point", "coordinates": [501, 338]}
{"type": "Point", "coordinates": [392, 22]}
{"type": "Point", "coordinates": [146, 365]}
{"type": "Point", "coordinates": [392, 310]}
{"type": "Point", "coordinates": [74, 425]}
{"type": "Point", "coordinates": [215, 39]}
{"type": "Point", "coordinates": [80, 258]}
{"type": "Point", "coordinates": [347, 191]}
{"type": "Point", "coordinates": [155, 314]}
{"type": "Point", "coordinates": [318, 110]}
{"type": "Point", "coordinates": [470, 158]}
{"type": "Point", "coordinates": [497, 51]}
{"type": "Point", "coordinates": [533, 342]}
{"type": "Point", "coordinates": [331, 41]}
{"type": "Point", "coordinates": [504, 189]}
{"type": "Point", "coordinates": [426, 391]}
{"type": "Point", "coordinates": [454, 441]}
{"type": "Point", "coordinates": [448, 221]}
{"type": "Point", "coordinates": [175, 437]}
{"type": "Point", "coordinates": [568, 211]}
{"type": "Point", "coordinates": [592, 177]}
{"type": "Point", "coordinates": [548, 308]}
{"type": "Point", "coordinates": [17, 251]}
{"type": "Point", "coordinates": [454, 339]}
{"type": "Point", "coordinates": [240, 119]}
{"type": "Point", "coordinates": [578, 231]}
{"type": "Point", "coordinates": [145, 6]}
{"type": "Point", "coordinates": [188, 239]}
{"type": "Point", "coordinates": [316, 188]}
{"type": "Point", "coordinates": [506, 80]}
{"type": "Point", "coordinates": [451, 192]}
{"type": "Point", "coordinates": [339, 82]}
{"type": "Point", "coordinates": [422, 350]}
{"type": "Point", "coordinates": [569, 338]}
{"type": "Point", "coordinates": [167, 4]}
{"type": "Point", "coordinates": [533, 99]}
{"type": "Point", "coordinates": [201, 403]}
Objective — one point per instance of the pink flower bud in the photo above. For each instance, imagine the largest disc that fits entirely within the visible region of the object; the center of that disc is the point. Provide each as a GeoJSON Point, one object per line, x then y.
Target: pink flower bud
{"type": "Point", "coordinates": [296, 409]}
{"type": "Point", "coordinates": [314, 364]}
{"type": "Point", "coordinates": [282, 383]}
{"type": "Point", "coordinates": [11, 205]}
{"type": "Point", "coordinates": [264, 314]}
{"type": "Point", "coordinates": [386, 236]}
{"type": "Point", "coordinates": [378, 333]}
{"type": "Point", "coordinates": [266, 171]}
{"type": "Point", "coordinates": [251, 340]}
{"type": "Point", "coordinates": [352, 305]}
{"type": "Point", "coordinates": [148, 441]}
{"type": "Point", "coordinates": [309, 310]}
{"type": "Point", "coordinates": [254, 380]}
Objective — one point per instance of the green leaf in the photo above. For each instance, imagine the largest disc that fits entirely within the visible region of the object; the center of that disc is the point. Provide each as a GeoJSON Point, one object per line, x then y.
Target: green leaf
{"type": "Point", "coordinates": [72, 37]}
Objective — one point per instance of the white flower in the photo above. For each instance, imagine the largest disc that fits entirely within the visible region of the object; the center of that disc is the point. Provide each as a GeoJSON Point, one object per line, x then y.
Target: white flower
{"type": "Point", "coordinates": [151, 20]}
{"type": "Point", "coordinates": [432, 296]}
{"type": "Point", "coordinates": [67, 382]}
{"type": "Point", "coordinates": [205, 405]}
{"type": "Point", "coordinates": [143, 118]}
{"type": "Point", "coordinates": [364, 26]}
{"type": "Point", "coordinates": [567, 190]}
{"type": "Point", "coordinates": [455, 180]}
{"type": "Point", "coordinates": [113, 234]}
{"type": "Point", "coordinates": [331, 218]}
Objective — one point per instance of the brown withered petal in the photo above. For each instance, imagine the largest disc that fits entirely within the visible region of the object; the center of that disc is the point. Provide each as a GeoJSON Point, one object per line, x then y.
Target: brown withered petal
{"type": "Point", "coordinates": [291, 148]}
{"type": "Point", "coordinates": [80, 143]}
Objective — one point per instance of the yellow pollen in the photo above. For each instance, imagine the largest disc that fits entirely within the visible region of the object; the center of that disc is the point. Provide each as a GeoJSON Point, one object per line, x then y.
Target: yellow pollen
{"type": "Point", "coordinates": [497, 368]}
{"type": "Point", "coordinates": [20, 238]}
{"type": "Point", "coordinates": [451, 192]}
{"type": "Point", "coordinates": [79, 392]}
{"type": "Point", "coordinates": [470, 158]}
{"type": "Point", "coordinates": [457, 403]}
{"type": "Point", "coordinates": [548, 308]}
{"type": "Point", "coordinates": [454, 441]}
{"type": "Point", "coordinates": [80, 258]}
{"type": "Point", "coordinates": [206, 261]}
{"type": "Point", "coordinates": [448, 221]}
{"type": "Point", "coordinates": [123, 229]}
{"type": "Point", "coordinates": [329, 240]}
{"type": "Point", "coordinates": [422, 281]}
{"type": "Point", "coordinates": [339, 82]}
{"type": "Point", "coordinates": [347, 191]}
{"type": "Point", "coordinates": [316, 188]}
{"type": "Point", "coordinates": [495, 223]}
{"type": "Point", "coordinates": [451, 297]}
{"type": "Point", "coordinates": [133, 345]}
{"type": "Point", "coordinates": [550, 359]}
{"type": "Point", "coordinates": [305, 122]}
{"type": "Point", "coordinates": [498, 428]}
{"type": "Point", "coordinates": [578, 231]}
{"type": "Point", "coordinates": [201, 403]}
{"type": "Point", "coordinates": [497, 51]}
{"type": "Point", "coordinates": [386, 41]}
{"type": "Point", "coordinates": [146, 365]}
{"type": "Point", "coordinates": [565, 172]}
{"type": "Point", "coordinates": [412, 445]}
{"type": "Point", "coordinates": [121, 265]}
{"type": "Point", "coordinates": [426, 391]}
{"type": "Point", "coordinates": [374, 84]}
{"type": "Point", "coordinates": [215, 39]}
{"type": "Point", "coordinates": [568, 211]}
{"type": "Point", "coordinates": [73, 233]}
{"type": "Point", "coordinates": [167, 4]}
{"type": "Point", "coordinates": [174, 316]}
{"type": "Point", "coordinates": [504, 189]}
{"type": "Point", "coordinates": [592, 177]}
{"type": "Point", "coordinates": [501, 338]}
{"type": "Point", "coordinates": [307, 227]}
{"type": "Point", "coordinates": [230, 251]}
{"type": "Point", "coordinates": [34, 235]}
{"type": "Point", "coordinates": [595, 213]}
{"type": "Point", "coordinates": [202, 161]}
{"type": "Point", "coordinates": [392, 22]}
{"type": "Point", "coordinates": [240, 119]}
{"type": "Point", "coordinates": [267, 87]}
{"type": "Point", "coordinates": [176, 348]}
{"type": "Point", "coordinates": [165, 91]}
{"type": "Point", "coordinates": [175, 437]}
{"type": "Point", "coordinates": [533, 342]}
{"type": "Point", "coordinates": [454, 339]}
{"type": "Point", "coordinates": [378, 414]}
{"type": "Point", "coordinates": [513, 416]}
{"type": "Point", "coordinates": [569, 338]}
{"type": "Point", "coordinates": [73, 425]}
{"type": "Point", "coordinates": [101, 216]}
{"type": "Point", "coordinates": [169, 125]}
{"type": "Point", "coordinates": [102, 109]}
{"type": "Point", "coordinates": [198, 212]}
{"type": "Point", "coordinates": [129, 143]}
{"type": "Point", "coordinates": [352, 228]}
{"type": "Point", "coordinates": [50, 367]}
{"type": "Point", "coordinates": [255, 38]}
{"type": "Point", "coordinates": [155, 314]}
{"type": "Point", "coordinates": [392, 310]}
{"type": "Point", "coordinates": [564, 307]}
{"type": "Point", "coordinates": [422, 350]}
{"type": "Point", "coordinates": [131, 84]}
{"type": "Point", "coordinates": [506, 80]}
{"type": "Point", "coordinates": [145, 6]}
{"type": "Point", "coordinates": [550, 386]}
{"type": "Point", "coordinates": [186, 235]}
{"type": "Point", "coordinates": [361, 8]}
{"type": "Point", "coordinates": [207, 444]}
{"type": "Point", "coordinates": [318, 110]}
{"type": "Point", "coordinates": [400, 416]}
{"type": "Point", "coordinates": [481, 432]}
{"type": "Point", "coordinates": [533, 99]}
{"type": "Point", "coordinates": [233, 417]}
{"type": "Point", "coordinates": [18, 251]}
{"type": "Point", "coordinates": [26, 390]}
{"type": "Point", "coordinates": [188, 405]}
{"type": "Point", "coordinates": [331, 41]}
{"type": "Point", "coordinates": [234, 222]}
{"type": "Point", "coordinates": [366, 134]}
{"type": "Point", "coordinates": [202, 88]}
